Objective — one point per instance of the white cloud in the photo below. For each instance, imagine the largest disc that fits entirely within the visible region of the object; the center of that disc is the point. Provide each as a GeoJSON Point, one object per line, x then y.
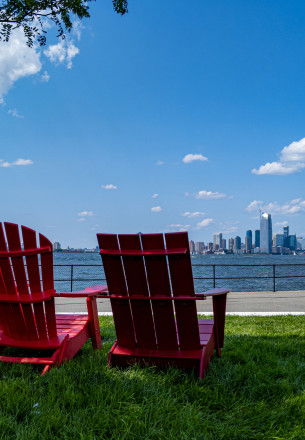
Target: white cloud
{"type": "Point", "coordinates": [154, 196]}
{"type": "Point", "coordinates": [18, 162]}
{"type": "Point", "coordinates": [293, 207]}
{"type": "Point", "coordinates": [82, 219]}
{"type": "Point", "coordinates": [204, 223]}
{"type": "Point", "coordinates": [156, 209]}
{"type": "Point", "coordinates": [77, 29]}
{"type": "Point", "coordinates": [209, 195]}
{"type": "Point", "coordinates": [86, 214]}
{"type": "Point", "coordinates": [62, 52]}
{"type": "Point", "coordinates": [45, 76]}
{"type": "Point", "coordinates": [160, 162]}
{"type": "Point", "coordinates": [15, 113]}
{"type": "Point", "coordinates": [292, 160]}
{"type": "Point", "coordinates": [109, 186]}
{"type": "Point", "coordinates": [23, 162]}
{"type": "Point", "coordinates": [189, 158]}
{"type": "Point", "coordinates": [193, 214]}
{"type": "Point", "coordinates": [284, 223]}
{"type": "Point", "coordinates": [17, 61]}
{"type": "Point", "coordinates": [279, 168]}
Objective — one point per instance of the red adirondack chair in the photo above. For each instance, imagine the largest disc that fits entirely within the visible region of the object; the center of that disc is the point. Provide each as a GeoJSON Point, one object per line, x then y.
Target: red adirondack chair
{"type": "Point", "coordinates": [154, 304]}
{"type": "Point", "coordinates": [27, 310]}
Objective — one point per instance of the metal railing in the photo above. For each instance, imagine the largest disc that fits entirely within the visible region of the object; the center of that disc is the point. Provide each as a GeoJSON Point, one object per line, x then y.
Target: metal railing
{"type": "Point", "coordinates": [238, 277]}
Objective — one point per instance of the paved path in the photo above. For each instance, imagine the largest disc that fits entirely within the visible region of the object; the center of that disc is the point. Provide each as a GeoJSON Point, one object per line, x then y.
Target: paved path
{"type": "Point", "coordinates": [238, 302]}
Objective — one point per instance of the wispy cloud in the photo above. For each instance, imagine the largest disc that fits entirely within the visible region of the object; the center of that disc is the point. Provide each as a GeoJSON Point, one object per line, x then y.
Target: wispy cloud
{"type": "Point", "coordinates": [284, 223]}
{"type": "Point", "coordinates": [156, 209]}
{"type": "Point", "coordinates": [109, 186]}
{"type": "Point", "coordinates": [160, 162]}
{"type": "Point", "coordinates": [295, 206]}
{"type": "Point", "coordinates": [154, 196]}
{"type": "Point", "coordinates": [292, 160]}
{"type": "Point", "coordinates": [204, 223]}
{"type": "Point", "coordinates": [62, 52]}
{"type": "Point", "coordinates": [45, 76]}
{"type": "Point", "coordinates": [15, 113]}
{"type": "Point", "coordinates": [193, 214]}
{"type": "Point", "coordinates": [18, 162]}
{"type": "Point", "coordinates": [189, 158]}
{"type": "Point", "coordinates": [209, 195]}
{"type": "Point", "coordinates": [86, 214]}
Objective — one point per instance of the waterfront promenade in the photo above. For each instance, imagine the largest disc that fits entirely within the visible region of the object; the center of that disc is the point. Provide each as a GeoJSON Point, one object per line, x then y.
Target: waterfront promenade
{"type": "Point", "coordinates": [241, 303]}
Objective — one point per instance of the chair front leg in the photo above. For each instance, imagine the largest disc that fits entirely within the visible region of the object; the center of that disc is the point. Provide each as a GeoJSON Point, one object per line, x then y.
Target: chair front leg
{"type": "Point", "coordinates": [94, 325]}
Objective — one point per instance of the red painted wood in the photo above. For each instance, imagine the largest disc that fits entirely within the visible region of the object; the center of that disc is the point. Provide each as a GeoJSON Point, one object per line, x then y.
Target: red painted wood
{"type": "Point", "coordinates": [143, 252]}
{"type": "Point", "coordinates": [183, 285]}
{"type": "Point", "coordinates": [138, 266]}
{"type": "Point", "coordinates": [94, 323]}
{"type": "Point", "coordinates": [137, 285]}
{"type": "Point", "coordinates": [117, 286]}
{"type": "Point", "coordinates": [15, 268]}
{"type": "Point", "coordinates": [158, 282]}
{"type": "Point", "coordinates": [219, 309]}
{"type": "Point", "coordinates": [27, 313]}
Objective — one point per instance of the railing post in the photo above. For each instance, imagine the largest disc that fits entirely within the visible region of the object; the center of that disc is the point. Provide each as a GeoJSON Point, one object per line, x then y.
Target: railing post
{"type": "Point", "coordinates": [214, 278]}
{"type": "Point", "coordinates": [71, 277]}
{"type": "Point", "coordinates": [274, 278]}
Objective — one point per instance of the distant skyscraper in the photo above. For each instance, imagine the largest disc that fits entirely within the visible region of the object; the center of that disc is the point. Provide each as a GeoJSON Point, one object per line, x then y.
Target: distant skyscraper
{"type": "Point", "coordinates": [248, 242]}
{"type": "Point", "coordinates": [257, 238]}
{"type": "Point", "coordinates": [278, 240]}
{"type": "Point", "coordinates": [56, 246]}
{"type": "Point", "coordinates": [266, 233]}
{"type": "Point", "coordinates": [237, 243]}
{"type": "Point", "coordinates": [231, 244]}
{"type": "Point", "coordinates": [192, 246]}
{"type": "Point", "coordinates": [224, 243]}
{"type": "Point", "coordinates": [217, 240]}
{"type": "Point", "coordinates": [286, 231]}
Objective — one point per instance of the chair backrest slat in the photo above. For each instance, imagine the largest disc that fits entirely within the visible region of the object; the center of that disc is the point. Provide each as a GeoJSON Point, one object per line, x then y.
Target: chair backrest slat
{"type": "Point", "coordinates": [14, 273]}
{"type": "Point", "coordinates": [30, 321]}
{"type": "Point", "coordinates": [137, 285]}
{"type": "Point", "coordinates": [183, 285]}
{"type": "Point", "coordinates": [114, 272]}
{"type": "Point", "coordinates": [47, 274]}
{"type": "Point", "coordinates": [159, 284]}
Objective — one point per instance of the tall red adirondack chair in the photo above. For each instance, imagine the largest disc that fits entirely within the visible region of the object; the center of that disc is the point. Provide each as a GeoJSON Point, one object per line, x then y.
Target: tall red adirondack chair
{"type": "Point", "coordinates": [152, 295]}
{"type": "Point", "coordinates": [27, 311]}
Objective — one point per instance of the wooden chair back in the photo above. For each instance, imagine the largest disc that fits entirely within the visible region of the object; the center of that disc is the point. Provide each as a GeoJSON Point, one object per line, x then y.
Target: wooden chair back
{"type": "Point", "coordinates": [146, 265]}
{"type": "Point", "coordinates": [27, 310]}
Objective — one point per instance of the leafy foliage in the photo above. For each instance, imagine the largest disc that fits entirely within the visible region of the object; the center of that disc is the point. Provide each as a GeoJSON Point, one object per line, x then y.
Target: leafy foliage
{"type": "Point", "coordinates": [32, 16]}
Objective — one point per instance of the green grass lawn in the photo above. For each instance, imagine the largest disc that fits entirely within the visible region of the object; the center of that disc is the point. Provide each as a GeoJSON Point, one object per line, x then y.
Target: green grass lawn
{"type": "Point", "coordinates": [255, 391]}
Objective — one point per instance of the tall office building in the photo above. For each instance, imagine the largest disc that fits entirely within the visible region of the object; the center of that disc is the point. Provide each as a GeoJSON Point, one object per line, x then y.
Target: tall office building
{"type": "Point", "coordinates": [278, 240]}
{"type": "Point", "coordinates": [230, 244]}
{"type": "Point", "coordinates": [199, 246]}
{"type": "Point", "coordinates": [224, 243]}
{"type": "Point", "coordinates": [286, 231]}
{"type": "Point", "coordinates": [237, 243]}
{"type": "Point", "coordinates": [248, 241]}
{"type": "Point", "coordinates": [192, 246]}
{"type": "Point", "coordinates": [257, 238]}
{"type": "Point", "coordinates": [266, 233]}
{"type": "Point", "coordinates": [217, 241]}
{"type": "Point", "coordinates": [56, 246]}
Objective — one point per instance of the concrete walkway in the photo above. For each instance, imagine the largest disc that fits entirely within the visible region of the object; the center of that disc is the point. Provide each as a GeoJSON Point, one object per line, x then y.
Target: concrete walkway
{"type": "Point", "coordinates": [243, 303]}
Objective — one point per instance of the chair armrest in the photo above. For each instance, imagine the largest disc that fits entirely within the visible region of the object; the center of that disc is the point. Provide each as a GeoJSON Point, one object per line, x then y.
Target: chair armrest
{"type": "Point", "coordinates": [215, 292]}
{"type": "Point", "coordinates": [89, 291]}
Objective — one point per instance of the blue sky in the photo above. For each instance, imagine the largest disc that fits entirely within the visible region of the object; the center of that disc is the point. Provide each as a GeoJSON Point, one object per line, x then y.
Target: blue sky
{"type": "Point", "coordinates": [179, 115]}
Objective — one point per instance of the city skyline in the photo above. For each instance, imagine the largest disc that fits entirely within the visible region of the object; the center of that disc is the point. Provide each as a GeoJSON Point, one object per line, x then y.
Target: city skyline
{"type": "Point", "coordinates": [173, 117]}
